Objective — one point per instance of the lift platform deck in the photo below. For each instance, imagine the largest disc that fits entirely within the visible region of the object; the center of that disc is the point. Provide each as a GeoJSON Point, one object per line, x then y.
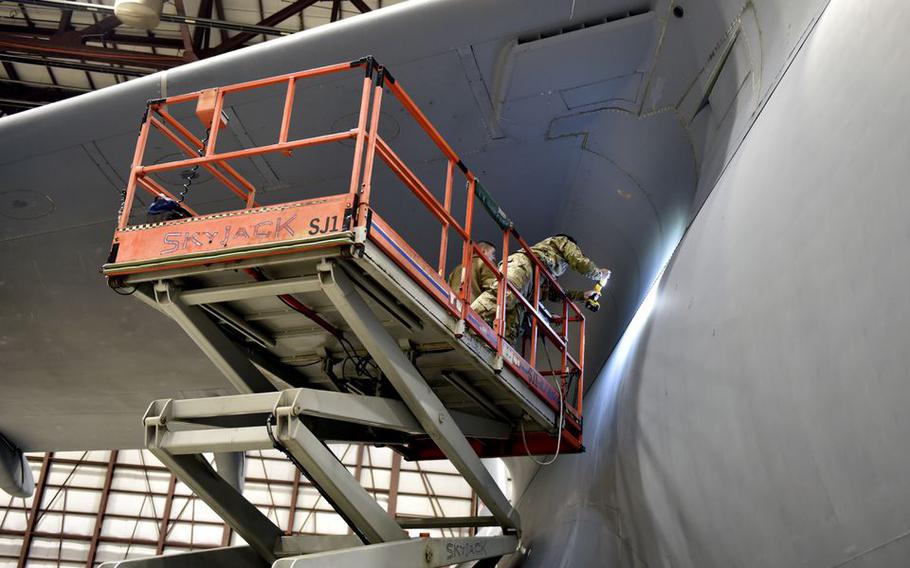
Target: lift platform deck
{"type": "Point", "coordinates": [331, 327]}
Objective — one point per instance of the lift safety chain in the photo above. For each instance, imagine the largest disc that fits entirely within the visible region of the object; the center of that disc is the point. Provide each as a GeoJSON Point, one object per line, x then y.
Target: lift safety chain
{"type": "Point", "coordinates": [193, 173]}
{"type": "Point", "coordinates": [122, 202]}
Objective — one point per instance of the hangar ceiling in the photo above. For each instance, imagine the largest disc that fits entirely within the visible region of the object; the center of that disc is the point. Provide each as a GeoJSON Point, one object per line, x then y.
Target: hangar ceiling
{"type": "Point", "coordinates": [55, 49]}
{"type": "Point", "coordinates": [107, 506]}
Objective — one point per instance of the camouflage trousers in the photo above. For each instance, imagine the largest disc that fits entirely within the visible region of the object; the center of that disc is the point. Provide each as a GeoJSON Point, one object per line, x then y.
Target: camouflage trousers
{"type": "Point", "coordinates": [520, 272]}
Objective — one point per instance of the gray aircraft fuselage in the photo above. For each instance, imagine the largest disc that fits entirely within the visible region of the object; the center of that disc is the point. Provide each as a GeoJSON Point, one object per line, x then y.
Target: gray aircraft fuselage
{"type": "Point", "coordinates": [752, 414]}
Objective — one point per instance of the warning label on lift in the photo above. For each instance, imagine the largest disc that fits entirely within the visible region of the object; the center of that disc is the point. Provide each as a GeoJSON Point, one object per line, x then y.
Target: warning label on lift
{"type": "Point", "coordinates": [234, 229]}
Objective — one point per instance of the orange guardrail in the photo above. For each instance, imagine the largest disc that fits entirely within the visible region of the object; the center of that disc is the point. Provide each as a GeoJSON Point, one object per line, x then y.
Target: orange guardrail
{"type": "Point", "coordinates": [252, 224]}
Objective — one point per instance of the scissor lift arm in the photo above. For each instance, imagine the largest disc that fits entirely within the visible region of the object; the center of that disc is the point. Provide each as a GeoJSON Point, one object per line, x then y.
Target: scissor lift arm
{"type": "Point", "coordinates": [178, 432]}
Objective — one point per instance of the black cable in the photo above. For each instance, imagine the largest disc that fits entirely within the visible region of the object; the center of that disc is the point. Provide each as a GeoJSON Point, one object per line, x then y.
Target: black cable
{"type": "Point", "coordinates": [113, 284]}
{"type": "Point", "coordinates": [361, 363]}
{"type": "Point", "coordinates": [194, 172]}
{"type": "Point", "coordinates": [560, 425]}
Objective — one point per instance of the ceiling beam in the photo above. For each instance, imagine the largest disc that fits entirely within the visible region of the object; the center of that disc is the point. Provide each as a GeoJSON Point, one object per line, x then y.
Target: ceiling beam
{"type": "Point", "coordinates": [9, 58]}
{"type": "Point", "coordinates": [361, 5]}
{"type": "Point", "coordinates": [104, 42]}
{"type": "Point", "coordinates": [200, 34]}
{"type": "Point", "coordinates": [11, 70]}
{"type": "Point", "coordinates": [189, 51]}
{"type": "Point", "coordinates": [336, 11]}
{"type": "Point", "coordinates": [52, 75]}
{"type": "Point", "coordinates": [102, 27]}
{"type": "Point", "coordinates": [25, 15]}
{"type": "Point", "coordinates": [25, 45]}
{"type": "Point", "coordinates": [21, 95]}
{"type": "Point", "coordinates": [97, 31]}
{"type": "Point", "coordinates": [66, 16]}
{"type": "Point", "coordinates": [281, 15]}
{"type": "Point", "coordinates": [219, 13]}
{"type": "Point", "coordinates": [116, 38]}
{"type": "Point", "coordinates": [262, 16]}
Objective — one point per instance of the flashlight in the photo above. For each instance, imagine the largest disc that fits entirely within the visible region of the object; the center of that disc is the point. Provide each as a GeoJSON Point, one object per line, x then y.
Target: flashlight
{"type": "Point", "coordinates": [592, 302]}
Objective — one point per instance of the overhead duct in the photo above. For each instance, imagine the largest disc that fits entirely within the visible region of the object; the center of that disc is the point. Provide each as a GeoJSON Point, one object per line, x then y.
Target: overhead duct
{"type": "Point", "coordinates": [142, 14]}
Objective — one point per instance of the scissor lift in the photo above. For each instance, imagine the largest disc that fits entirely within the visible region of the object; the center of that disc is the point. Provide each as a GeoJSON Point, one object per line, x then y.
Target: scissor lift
{"type": "Point", "coordinates": [432, 380]}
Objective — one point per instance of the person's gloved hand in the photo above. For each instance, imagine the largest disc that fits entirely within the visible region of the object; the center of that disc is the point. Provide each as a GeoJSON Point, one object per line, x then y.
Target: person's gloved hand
{"type": "Point", "coordinates": [604, 274]}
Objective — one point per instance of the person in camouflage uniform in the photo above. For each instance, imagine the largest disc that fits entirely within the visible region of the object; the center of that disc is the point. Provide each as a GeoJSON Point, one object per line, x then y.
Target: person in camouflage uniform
{"type": "Point", "coordinates": [558, 253]}
{"type": "Point", "coordinates": [482, 276]}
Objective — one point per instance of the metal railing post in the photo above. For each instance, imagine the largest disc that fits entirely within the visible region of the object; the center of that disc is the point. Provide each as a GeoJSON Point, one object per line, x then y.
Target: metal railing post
{"type": "Point", "coordinates": [564, 370]}
{"type": "Point", "coordinates": [365, 185]}
{"type": "Point", "coordinates": [134, 169]}
{"type": "Point", "coordinates": [215, 127]}
{"type": "Point", "coordinates": [536, 302]}
{"type": "Point", "coordinates": [286, 114]}
{"type": "Point", "coordinates": [581, 364]}
{"type": "Point", "coordinates": [361, 132]}
{"type": "Point", "coordinates": [467, 254]}
{"type": "Point", "coordinates": [502, 293]}
{"type": "Point", "coordinates": [444, 237]}
{"type": "Point", "coordinates": [565, 336]}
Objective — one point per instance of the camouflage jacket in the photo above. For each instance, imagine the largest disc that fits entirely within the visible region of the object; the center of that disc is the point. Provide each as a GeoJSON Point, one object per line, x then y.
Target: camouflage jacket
{"type": "Point", "coordinates": [482, 278]}
{"type": "Point", "coordinates": [559, 253]}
